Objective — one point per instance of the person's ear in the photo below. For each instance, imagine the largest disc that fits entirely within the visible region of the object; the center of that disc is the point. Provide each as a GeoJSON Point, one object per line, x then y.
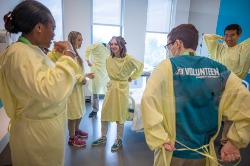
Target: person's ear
{"type": "Point", "coordinates": [178, 43]}
{"type": "Point", "coordinates": [38, 27]}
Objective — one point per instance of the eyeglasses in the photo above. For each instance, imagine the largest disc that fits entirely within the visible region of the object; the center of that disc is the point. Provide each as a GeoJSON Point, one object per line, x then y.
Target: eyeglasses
{"type": "Point", "coordinates": [166, 46]}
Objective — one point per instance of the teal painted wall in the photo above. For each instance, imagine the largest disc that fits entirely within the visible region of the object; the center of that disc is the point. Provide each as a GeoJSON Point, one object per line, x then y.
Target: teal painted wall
{"type": "Point", "coordinates": [234, 12]}
{"type": "Point", "coordinates": [1, 104]}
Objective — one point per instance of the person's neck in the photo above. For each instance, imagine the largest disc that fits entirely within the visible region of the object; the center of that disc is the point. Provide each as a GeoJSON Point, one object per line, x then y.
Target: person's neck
{"type": "Point", "coordinates": [186, 50]}
{"type": "Point", "coordinates": [31, 39]}
{"type": "Point", "coordinates": [117, 55]}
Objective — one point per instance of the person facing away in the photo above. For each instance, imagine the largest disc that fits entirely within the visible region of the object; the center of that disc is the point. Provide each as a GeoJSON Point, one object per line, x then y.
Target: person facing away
{"type": "Point", "coordinates": [183, 103]}
{"type": "Point", "coordinates": [76, 101]}
{"type": "Point", "coordinates": [122, 68]}
{"type": "Point", "coordinates": [235, 56]}
{"type": "Point", "coordinates": [99, 53]}
{"type": "Point", "coordinates": [34, 89]}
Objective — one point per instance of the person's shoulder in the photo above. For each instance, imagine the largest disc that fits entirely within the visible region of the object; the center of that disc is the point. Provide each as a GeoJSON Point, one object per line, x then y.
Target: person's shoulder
{"type": "Point", "coordinates": [17, 47]}
{"type": "Point", "coordinates": [215, 63]}
{"type": "Point", "coordinates": [109, 57]}
{"type": "Point", "coordinates": [245, 42]}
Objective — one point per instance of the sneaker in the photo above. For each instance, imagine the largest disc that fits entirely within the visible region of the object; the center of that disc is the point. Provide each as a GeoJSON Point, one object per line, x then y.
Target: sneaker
{"type": "Point", "coordinates": [92, 114]}
{"type": "Point", "coordinates": [81, 134]}
{"type": "Point", "coordinates": [101, 140]}
{"type": "Point", "coordinates": [116, 145]}
{"type": "Point", "coordinates": [219, 150]}
{"type": "Point", "coordinates": [76, 142]}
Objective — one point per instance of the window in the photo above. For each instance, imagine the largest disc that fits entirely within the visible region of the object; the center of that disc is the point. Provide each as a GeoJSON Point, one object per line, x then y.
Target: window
{"type": "Point", "coordinates": [107, 20]}
{"type": "Point", "coordinates": [158, 26]}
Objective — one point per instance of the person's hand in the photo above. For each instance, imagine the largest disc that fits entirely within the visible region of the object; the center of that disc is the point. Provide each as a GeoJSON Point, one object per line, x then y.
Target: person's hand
{"type": "Point", "coordinates": [84, 81]}
{"type": "Point", "coordinates": [90, 75]}
{"type": "Point", "coordinates": [89, 64]}
{"type": "Point", "coordinates": [229, 152]}
{"type": "Point", "coordinates": [169, 146]}
{"type": "Point", "coordinates": [129, 79]}
{"type": "Point", "coordinates": [64, 47]}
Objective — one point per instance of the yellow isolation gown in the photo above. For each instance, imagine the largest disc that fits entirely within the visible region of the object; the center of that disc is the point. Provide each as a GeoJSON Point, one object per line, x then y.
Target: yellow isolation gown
{"type": "Point", "coordinates": [116, 102]}
{"type": "Point", "coordinates": [158, 112]}
{"type": "Point", "coordinates": [235, 58]}
{"type": "Point", "coordinates": [99, 53]}
{"type": "Point", "coordinates": [76, 101]}
{"type": "Point", "coordinates": [34, 91]}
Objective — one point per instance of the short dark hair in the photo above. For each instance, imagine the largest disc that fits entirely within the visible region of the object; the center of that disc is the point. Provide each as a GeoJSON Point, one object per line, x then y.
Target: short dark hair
{"type": "Point", "coordinates": [187, 33]}
{"type": "Point", "coordinates": [234, 27]}
{"type": "Point", "coordinates": [25, 16]}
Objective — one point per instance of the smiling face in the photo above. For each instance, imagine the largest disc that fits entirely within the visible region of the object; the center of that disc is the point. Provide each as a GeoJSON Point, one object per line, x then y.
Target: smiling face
{"type": "Point", "coordinates": [231, 37]}
{"type": "Point", "coordinates": [115, 48]}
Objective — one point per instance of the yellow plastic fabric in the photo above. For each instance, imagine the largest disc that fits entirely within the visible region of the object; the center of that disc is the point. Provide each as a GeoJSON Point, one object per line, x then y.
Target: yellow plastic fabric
{"type": "Point", "coordinates": [76, 101]}
{"type": "Point", "coordinates": [158, 112]}
{"type": "Point", "coordinates": [235, 58]}
{"type": "Point", "coordinates": [116, 102]}
{"type": "Point", "coordinates": [34, 91]}
{"type": "Point", "coordinates": [99, 54]}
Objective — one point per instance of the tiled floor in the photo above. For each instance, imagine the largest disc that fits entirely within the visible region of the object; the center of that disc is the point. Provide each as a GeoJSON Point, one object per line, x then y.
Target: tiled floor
{"type": "Point", "coordinates": [133, 153]}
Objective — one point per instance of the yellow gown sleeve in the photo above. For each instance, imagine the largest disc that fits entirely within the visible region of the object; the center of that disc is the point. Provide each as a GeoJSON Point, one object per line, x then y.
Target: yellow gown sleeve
{"type": "Point", "coordinates": [80, 77]}
{"type": "Point", "coordinates": [246, 42]}
{"type": "Point", "coordinates": [213, 45]}
{"type": "Point", "coordinates": [138, 66]}
{"type": "Point", "coordinates": [158, 107]}
{"type": "Point", "coordinates": [54, 56]}
{"type": "Point", "coordinates": [47, 85]}
{"type": "Point", "coordinates": [89, 51]}
{"type": "Point", "coordinates": [236, 107]}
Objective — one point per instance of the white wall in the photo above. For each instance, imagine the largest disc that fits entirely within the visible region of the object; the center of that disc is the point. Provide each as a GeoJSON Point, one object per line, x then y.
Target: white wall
{"type": "Point", "coordinates": [5, 7]}
{"type": "Point", "coordinates": [204, 15]}
{"type": "Point", "coordinates": [77, 18]}
{"type": "Point", "coordinates": [181, 12]}
{"type": "Point", "coordinates": [135, 27]}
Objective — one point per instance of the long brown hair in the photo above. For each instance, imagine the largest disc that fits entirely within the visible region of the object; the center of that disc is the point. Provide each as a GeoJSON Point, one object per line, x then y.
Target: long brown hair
{"type": "Point", "coordinates": [121, 43]}
{"type": "Point", "coordinates": [72, 38]}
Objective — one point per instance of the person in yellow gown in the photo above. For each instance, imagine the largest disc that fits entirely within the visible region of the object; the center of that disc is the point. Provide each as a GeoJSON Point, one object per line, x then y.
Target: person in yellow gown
{"type": "Point", "coordinates": [99, 52]}
{"type": "Point", "coordinates": [34, 89]}
{"type": "Point", "coordinates": [235, 56]}
{"type": "Point", "coordinates": [76, 101]}
{"type": "Point", "coordinates": [121, 68]}
{"type": "Point", "coordinates": [183, 103]}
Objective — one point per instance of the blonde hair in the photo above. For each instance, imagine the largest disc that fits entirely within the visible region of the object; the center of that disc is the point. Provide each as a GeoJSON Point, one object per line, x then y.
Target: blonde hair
{"type": "Point", "coordinates": [72, 38]}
